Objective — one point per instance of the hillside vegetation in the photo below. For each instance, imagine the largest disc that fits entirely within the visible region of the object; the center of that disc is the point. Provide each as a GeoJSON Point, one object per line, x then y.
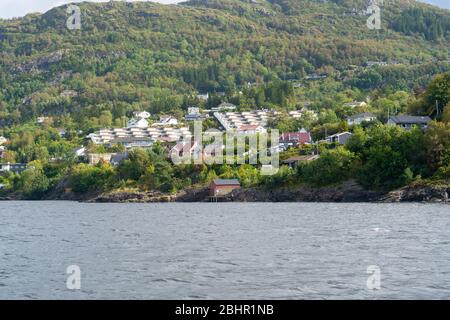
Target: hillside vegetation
{"type": "Point", "coordinates": [151, 56]}
{"type": "Point", "coordinates": [317, 56]}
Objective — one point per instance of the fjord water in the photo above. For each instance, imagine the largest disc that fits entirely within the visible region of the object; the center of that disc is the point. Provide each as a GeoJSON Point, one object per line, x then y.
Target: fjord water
{"type": "Point", "coordinates": [224, 250]}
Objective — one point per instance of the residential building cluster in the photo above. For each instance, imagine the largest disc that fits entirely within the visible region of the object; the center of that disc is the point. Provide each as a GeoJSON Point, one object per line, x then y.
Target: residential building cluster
{"type": "Point", "coordinates": [255, 121]}
{"type": "Point", "coordinates": [138, 133]}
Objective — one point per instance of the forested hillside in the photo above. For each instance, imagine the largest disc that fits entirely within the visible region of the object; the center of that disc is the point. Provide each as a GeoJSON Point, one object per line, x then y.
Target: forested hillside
{"type": "Point", "coordinates": [130, 56]}
{"type": "Point", "coordinates": [317, 57]}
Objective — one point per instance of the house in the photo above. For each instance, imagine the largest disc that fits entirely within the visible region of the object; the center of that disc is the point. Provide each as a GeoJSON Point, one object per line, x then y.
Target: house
{"type": "Point", "coordinates": [80, 152]}
{"type": "Point", "coordinates": [212, 150]}
{"type": "Point", "coordinates": [293, 162]}
{"type": "Point", "coordinates": [113, 158]}
{"type": "Point", "coordinates": [340, 138]}
{"type": "Point", "coordinates": [118, 158]}
{"type": "Point", "coordinates": [139, 120]}
{"type": "Point", "coordinates": [95, 158]}
{"type": "Point", "coordinates": [137, 123]}
{"type": "Point", "coordinates": [251, 129]}
{"type": "Point", "coordinates": [355, 104]}
{"type": "Point", "coordinates": [224, 106]}
{"type": "Point", "coordinates": [167, 121]}
{"type": "Point", "coordinates": [3, 140]}
{"type": "Point", "coordinates": [290, 139]}
{"type": "Point", "coordinates": [222, 187]}
{"type": "Point", "coordinates": [194, 114]}
{"type": "Point", "coordinates": [13, 167]}
{"type": "Point", "coordinates": [408, 122]}
{"type": "Point", "coordinates": [361, 117]}
{"type": "Point", "coordinates": [131, 142]}
{"type": "Point", "coordinates": [203, 97]}
{"type": "Point", "coordinates": [138, 137]}
{"type": "Point", "coordinates": [185, 150]}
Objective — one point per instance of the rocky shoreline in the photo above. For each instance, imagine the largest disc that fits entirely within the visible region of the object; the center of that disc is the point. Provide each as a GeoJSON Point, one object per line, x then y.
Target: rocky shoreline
{"type": "Point", "coordinates": [347, 192]}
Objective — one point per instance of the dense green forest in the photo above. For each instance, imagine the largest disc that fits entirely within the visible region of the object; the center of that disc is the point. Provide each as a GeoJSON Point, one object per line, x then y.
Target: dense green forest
{"type": "Point", "coordinates": [253, 53]}
{"type": "Point", "coordinates": [149, 56]}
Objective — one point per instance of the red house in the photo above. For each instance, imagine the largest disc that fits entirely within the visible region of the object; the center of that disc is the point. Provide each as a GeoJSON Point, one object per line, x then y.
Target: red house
{"type": "Point", "coordinates": [222, 187]}
{"type": "Point", "coordinates": [289, 139]}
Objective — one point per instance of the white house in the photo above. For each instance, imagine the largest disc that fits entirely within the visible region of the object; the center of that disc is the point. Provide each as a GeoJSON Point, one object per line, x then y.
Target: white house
{"type": "Point", "coordinates": [16, 167]}
{"type": "Point", "coordinates": [185, 151]}
{"type": "Point", "coordinates": [361, 117]}
{"type": "Point", "coordinates": [80, 152]}
{"type": "Point", "coordinates": [137, 123]}
{"type": "Point", "coordinates": [139, 120]}
{"type": "Point", "coordinates": [340, 138]}
{"type": "Point", "coordinates": [251, 129]}
{"type": "Point", "coordinates": [203, 97]}
{"type": "Point", "coordinates": [167, 121]}
{"type": "Point", "coordinates": [3, 140]}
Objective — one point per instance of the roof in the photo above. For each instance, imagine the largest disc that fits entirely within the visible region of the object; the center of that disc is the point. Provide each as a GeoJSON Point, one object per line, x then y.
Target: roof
{"type": "Point", "coordinates": [410, 119]}
{"type": "Point", "coordinates": [184, 146]}
{"type": "Point", "coordinates": [249, 127]}
{"type": "Point", "coordinates": [130, 139]}
{"type": "Point", "coordinates": [340, 134]}
{"type": "Point", "coordinates": [226, 182]}
{"type": "Point", "coordinates": [301, 137]}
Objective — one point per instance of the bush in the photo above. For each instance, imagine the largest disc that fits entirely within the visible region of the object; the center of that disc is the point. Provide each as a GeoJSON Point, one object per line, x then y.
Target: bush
{"type": "Point", "coordinates": [86, 178]}
{"type": "Point", "coordinates": [333, 167]}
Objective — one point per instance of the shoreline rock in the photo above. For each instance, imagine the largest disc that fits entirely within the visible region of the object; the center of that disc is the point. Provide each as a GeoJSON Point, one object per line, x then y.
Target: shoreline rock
{"type": "Point", "coordinates": [419, 193]}
{"type": "Point", "coordinates": [347, 192]}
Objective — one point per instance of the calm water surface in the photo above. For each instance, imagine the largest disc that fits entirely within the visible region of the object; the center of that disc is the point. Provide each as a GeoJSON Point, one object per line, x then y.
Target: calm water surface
{"type": "Point", "coordinates": [224, 251]}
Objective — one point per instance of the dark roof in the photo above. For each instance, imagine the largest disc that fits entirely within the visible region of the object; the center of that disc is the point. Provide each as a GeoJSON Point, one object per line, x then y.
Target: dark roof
{"type": "Point", "coordinates": [226, 182]}
{"type": "Point", "coordinates": [410, 119]}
